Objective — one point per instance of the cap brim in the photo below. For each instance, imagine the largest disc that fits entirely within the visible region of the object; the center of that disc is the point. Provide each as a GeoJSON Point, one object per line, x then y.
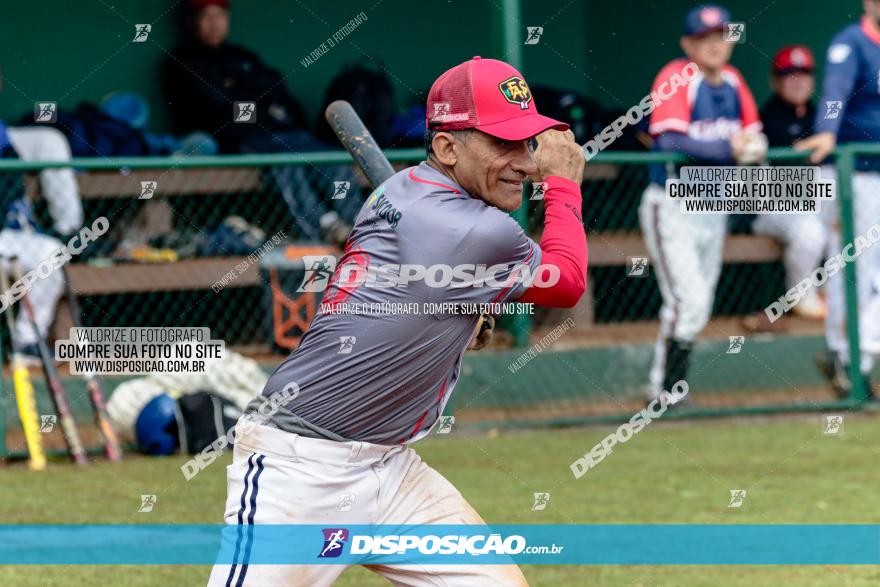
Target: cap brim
{"type": "Point", "coordinates": [788, 70]}
{"type": "Point", "coordinates": [708, 31]}
{"type": "Point", "coordinates": [521, 127]}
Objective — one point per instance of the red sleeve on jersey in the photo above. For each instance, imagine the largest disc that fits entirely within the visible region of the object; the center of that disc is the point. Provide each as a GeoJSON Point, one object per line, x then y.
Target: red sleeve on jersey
{"type": "Point", "coordinates": [749, 116]}
{"type": "Point", "coordinates": [563, 244]}
{"type": "Point", "coordinates": [672, 111]}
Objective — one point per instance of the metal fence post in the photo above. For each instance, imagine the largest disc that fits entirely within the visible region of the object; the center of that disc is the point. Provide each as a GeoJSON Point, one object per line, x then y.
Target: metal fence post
{"type": "Point", "coordinates": [511, 42]}
{"type": "Point", "coordinates": [845, 176]}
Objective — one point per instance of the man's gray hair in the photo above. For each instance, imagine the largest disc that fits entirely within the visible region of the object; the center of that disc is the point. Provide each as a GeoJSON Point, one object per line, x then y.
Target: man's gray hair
{"type": "Point", "coordinates": [461, 135]}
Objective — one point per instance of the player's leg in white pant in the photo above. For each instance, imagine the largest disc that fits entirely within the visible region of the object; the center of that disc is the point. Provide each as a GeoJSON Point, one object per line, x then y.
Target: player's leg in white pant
{"type": "Point", "coordinates": [867, 201]}
{"type": "Point", "coordinates": [712, 231]}
{"type": "Point", "coordinates": [412, 493]}
{"type": "Point", "coordinates": [674, 241]}
{"type": "Point", "coordinates": [866, 207]}
{"type": "Point", "coordinates": [268, 484]}
{"type": "Point", "coordinates": [803, 238]}
{"type": "Point", "coordinates": [31, 249]}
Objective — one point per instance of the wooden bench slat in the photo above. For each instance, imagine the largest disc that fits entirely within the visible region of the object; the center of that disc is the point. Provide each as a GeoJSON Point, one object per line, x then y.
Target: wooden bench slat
{"type": "Point", "coordinates": [143, 277]}
{"type": "Point", "coordinates": [171, 182]}
{"type": "Point", "coordinates": [612, 249]}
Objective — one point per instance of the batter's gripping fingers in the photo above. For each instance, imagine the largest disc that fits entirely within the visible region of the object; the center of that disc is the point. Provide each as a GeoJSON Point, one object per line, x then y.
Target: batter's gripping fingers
{"type": "Point", "coordinates": [482, 333]}
{"type": "Point", "coordinates": [559, 155]}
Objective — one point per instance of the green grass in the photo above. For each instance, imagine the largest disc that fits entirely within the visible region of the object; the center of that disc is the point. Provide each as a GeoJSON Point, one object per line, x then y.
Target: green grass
{"type": "Point", "coordinates": [669, 473]}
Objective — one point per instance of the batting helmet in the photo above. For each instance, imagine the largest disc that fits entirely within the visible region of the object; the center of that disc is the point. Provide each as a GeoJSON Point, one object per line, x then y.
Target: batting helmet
{"type": "Point", "coordinates": [156, 427]}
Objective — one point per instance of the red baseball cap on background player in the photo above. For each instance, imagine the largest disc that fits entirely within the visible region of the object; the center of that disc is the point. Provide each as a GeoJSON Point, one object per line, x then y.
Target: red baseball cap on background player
{"type": "Point", "coordinates": [487, 95]}
{"type": "Point", "coordinates": [793, 59]}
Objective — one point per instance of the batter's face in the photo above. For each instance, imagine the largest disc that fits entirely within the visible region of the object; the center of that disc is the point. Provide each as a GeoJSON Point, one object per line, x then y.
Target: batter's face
{"type": "Point", "coordinates": [492, 169]}
{"type": "Point", "coordinates": [212, 25]}
{"type": "Point", "coordinates": [709, 51]}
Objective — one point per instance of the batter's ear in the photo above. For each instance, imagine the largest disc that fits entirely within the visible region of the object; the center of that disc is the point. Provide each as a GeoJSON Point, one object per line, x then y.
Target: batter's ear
{"type": "Point", "coordinates": [443, 147]}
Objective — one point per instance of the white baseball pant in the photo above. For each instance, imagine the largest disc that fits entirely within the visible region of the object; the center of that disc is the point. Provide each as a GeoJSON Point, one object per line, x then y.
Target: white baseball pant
{"type": "Point", "coordinates": [685, 251]}
{"type": "Point", "coordinates": [31, 248]}
{"type": "Point", "coordinates": [866, 209]}
{"type": "Point", "coordinates": [58, 186]}
{"type": "Point", "coordinates": [281, 478]}
{"type": "Point", "coordinates": [804, 238]}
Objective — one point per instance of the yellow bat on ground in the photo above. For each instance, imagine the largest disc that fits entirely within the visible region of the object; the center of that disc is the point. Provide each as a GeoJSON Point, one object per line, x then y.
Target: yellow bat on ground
{"type": "Point", "coordinates": [24, 393]}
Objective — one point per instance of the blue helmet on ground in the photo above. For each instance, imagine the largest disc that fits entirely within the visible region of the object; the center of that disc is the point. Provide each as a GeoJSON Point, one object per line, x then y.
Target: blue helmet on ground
{"type": "Point", "coordinates": [156, 427]}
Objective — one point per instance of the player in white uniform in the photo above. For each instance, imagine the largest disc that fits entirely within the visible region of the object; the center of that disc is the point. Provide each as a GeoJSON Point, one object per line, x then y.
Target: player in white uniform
{"type": "Point", "coordinates": [849, 111]}
{"type": "Point", "coordinates": [18, 239]}
{"type": "Point", "coordinates": [709, 119]}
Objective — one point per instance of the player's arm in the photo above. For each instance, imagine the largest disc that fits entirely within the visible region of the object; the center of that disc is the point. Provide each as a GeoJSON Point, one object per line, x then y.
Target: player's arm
{"type": "Point", "coordinates": [841, 69]}
{"type": "Point", "coordinates": [718, 151]}
{"type": "Point", "coordinates": [564, 242]}
{"type": "Point", "coordinates": [670, 121]}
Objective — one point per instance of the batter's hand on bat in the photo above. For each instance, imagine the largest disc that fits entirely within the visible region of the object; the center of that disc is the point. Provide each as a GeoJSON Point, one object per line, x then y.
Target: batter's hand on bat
{"type": "Point", "coordinates": [482, 333]}
{"type": "Point", "coordinates": [821, 144]}
{"type": "Point", "coordinates": [558, 154]}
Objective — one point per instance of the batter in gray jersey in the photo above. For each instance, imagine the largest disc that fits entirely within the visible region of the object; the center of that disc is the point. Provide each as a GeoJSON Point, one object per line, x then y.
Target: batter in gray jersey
{"type": "Point", "coordinates": [385, 377]}
{"type": "Point", "coordinates": [380, 360]}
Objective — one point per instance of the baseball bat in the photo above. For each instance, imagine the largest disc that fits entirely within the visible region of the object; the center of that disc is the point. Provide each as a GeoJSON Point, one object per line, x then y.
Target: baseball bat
{"type": "Point", "coordinates": [24, 392]}
{"type": "Point", "coordinates": [59, 394]}
{"type": "Point", "coordinates": [357, 140]}
{"type": "Point", "coordinates": [96, 394]}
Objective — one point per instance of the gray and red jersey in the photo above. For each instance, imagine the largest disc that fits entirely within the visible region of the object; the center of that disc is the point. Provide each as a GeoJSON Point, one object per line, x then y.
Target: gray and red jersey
{"type": "Point", "coordinates": [385, 377]}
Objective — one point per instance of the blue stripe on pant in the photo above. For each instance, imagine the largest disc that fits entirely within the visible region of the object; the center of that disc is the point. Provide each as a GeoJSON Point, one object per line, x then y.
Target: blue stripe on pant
{"type": "Point", "coordinates": [252, 502]}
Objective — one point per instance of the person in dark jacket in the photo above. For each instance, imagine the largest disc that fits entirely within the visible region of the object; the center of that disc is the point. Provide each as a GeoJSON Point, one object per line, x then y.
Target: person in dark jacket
{"type": "Point", "coordinates": [788, 114]}
{"type": "Point", "coordinates": [788, 117]}
{"type": "Point", "coordinates": [206, 81]}
{"type": "Point", "coordinates": [206, 75]}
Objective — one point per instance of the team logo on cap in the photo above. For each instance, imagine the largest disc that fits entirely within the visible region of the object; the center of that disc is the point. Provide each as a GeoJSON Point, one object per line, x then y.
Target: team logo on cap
{"type": "Point", "coordinates": [516, 91]}
{"type": "Point", "coordinates": [799, 57]}
{"type": "Point", "coordinates": [710, 16]}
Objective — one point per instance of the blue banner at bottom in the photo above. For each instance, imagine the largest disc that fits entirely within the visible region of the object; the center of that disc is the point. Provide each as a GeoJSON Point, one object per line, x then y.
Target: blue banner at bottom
{"type": "Point", "coordinates": [611, 544]}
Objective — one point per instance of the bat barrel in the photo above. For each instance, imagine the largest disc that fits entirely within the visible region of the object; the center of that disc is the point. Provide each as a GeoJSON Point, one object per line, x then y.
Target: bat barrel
{"type": "Point", "coordinates": [357, 140]}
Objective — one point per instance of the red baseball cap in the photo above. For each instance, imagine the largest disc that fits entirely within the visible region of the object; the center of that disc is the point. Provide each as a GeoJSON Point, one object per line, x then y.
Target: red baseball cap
{"type": "Point", "coordinates": [793, 58]}
{"type": "Point", "coordinates": [490, 96]}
